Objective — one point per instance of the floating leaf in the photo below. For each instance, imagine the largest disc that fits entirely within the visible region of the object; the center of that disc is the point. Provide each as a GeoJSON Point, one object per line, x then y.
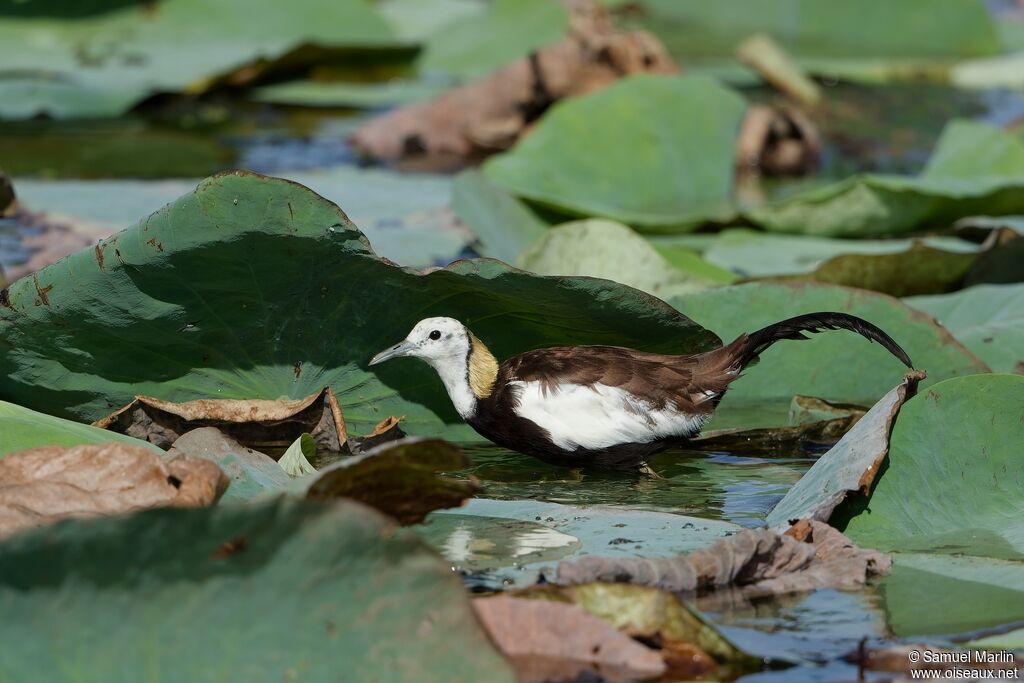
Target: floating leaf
{"type": "Point", "coordinates": [508, 29]}
{"type": "Point", "coordinates": [69, 66]}
{"type": "Point", "coordinates": [169, 309]}
{"type": "Point", "coordinates": [582, 160]}
{"type": "Point", "coordinates": [346, 592]}
{"type": "Point", "coordinates": [295, 461]}
{"type": "Point", "coordinates": [849, 467]}
{"type": "Point", "coordinates": [987, 319]}
{"type": "Point", "coordinates": [753, 253]}
{"type": "Point", "coordinates": [952, 483]}
{"type": "Point", "coordinates": [836, 365]}
{"type": "Point", "coordinates": [503, 225]}
{"type": "Point", "coordinates": [956, 183]}
{"type": "Point", "coordinates": [23, 429]}
{"type": "Point", "coordinates": [828, 37]}
{"type": "Point", "coordinates": [614, 252]}
{"type": "Point", "coordinates": [310, 93]}
{"type": "Point", "coordinates": [918, 270]}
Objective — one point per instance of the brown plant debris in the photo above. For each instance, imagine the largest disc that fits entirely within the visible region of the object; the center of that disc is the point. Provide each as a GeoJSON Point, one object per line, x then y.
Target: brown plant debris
{"type": "Point", "coordinates": [490, 114]}
{"type": "Point", "coordinates": [760, 561]}
{"type": "Point", "coordinates": [263, 425]}
{"type": "Point", "coordinates": [781, 440]}
{"type": "Point", "coordinates": [777, 142]}
{"type": "Point", "coordinates": [555, 641]}
{"type": "Point", "coordinates": [42, 485]}
{"type": "Point", "coordinates": [400, 478]}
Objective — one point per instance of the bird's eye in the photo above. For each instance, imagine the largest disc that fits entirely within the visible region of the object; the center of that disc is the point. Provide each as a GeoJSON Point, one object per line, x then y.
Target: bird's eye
{"type": "Point", "coordinates": [435, 335]}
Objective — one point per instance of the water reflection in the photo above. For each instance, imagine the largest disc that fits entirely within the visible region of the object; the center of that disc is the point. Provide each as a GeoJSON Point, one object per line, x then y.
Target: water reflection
{"type": "Point", "coordinates": [716, 486]}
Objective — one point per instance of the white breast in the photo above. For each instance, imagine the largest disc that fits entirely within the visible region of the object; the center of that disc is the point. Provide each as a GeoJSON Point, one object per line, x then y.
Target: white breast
{"type": "Point", "coordinates": [599, 416]}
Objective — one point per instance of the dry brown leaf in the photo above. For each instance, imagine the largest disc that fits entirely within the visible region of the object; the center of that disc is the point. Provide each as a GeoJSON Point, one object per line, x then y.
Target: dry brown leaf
{"type": "Point", "coordinates": [490, 114]}
{"type": "Point", "coordinates": [761, 561]}
{"type": "Point", "coordinates": [777, 142]}
{"type": "Point", "coordinates": [552, 641]}
{"type": "Point", "coordinates": [50, 239]}
{"type": "Point", "coordinates": [767, 57]}
{"type": "Point", "coordinates": [42, 485]}
{"type": "Point", "coordinates": [259, 424]}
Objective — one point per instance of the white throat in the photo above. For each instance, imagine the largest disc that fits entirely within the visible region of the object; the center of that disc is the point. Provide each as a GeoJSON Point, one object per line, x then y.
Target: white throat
{"type": "Point", "coordinates": [454, 374]}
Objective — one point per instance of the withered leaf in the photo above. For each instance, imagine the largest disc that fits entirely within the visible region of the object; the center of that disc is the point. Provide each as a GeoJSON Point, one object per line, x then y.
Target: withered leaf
{"type": "Point", "coordinates": [760, 561]}
{"type": "Point", "coordinates": [777, 142]}
{"type": "Point", "coordinates": [260, 424]}
{"type": "Point", "coordinates": [553, 641]}
{"type": "Point", "coordinates": [42, 485]}
{"type": "Point", "coordinates": [401, 479]}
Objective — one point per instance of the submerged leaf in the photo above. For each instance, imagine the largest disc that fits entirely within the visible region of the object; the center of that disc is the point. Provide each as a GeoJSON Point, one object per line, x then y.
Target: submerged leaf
{"type": "Point", "coordinates": [42, 485]}
{"type": "Point", "coordinates": [295, 461]}
{"type": "Point", "coordinates": [256, 288]}
{"type": "Point", "coordinates": [761, 561]}
{"type": "Point", "coordinates": [266, 592]}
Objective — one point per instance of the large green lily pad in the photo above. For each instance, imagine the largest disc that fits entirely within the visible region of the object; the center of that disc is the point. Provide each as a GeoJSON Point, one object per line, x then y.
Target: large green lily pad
{"type": "Point", "coordinates": [63, 64]}
{"type": "Point", "coordinates": [503, 225]}
{"type": "Point", "coordinates": [474, 45]}
{"type": "Point", "coordinates": [255, 287]}
{"type": "Point", "coordinates": [613, 251]}
{"type": "Point", "coordinates": [941, 594]}
{"type": "Point", "coordinates": [975, 169]}
{"type": "Point", "coordinates": [987, 319]}
{"type": "Point", "coordinates": [807, 28]}
{"type": "Point", "coordinates": [583, 160]}
{"type": "Point", "coordinates": [291, 590]}
{"type": "Point", "coordinates": [954, 478]}
{"type": "Point", "coordinates": [834, 365]}
{"type": "Point", "coordinates": [23, 428]}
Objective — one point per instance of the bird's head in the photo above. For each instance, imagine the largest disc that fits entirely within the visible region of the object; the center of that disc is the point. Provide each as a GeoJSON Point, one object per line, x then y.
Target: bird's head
{"type": "Point", "coordinates": [438, 341]}
{"type": "Point", "coordinates": [466, 367]}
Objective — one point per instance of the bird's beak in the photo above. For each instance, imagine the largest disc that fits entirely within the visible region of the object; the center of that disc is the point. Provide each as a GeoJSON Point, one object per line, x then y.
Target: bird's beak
{"type": "Point", "coordinates": [403, 348]}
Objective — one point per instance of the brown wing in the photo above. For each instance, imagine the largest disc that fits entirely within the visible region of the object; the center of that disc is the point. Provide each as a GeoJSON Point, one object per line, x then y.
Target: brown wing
{"type": "Point", "coordinates": [690, 382]}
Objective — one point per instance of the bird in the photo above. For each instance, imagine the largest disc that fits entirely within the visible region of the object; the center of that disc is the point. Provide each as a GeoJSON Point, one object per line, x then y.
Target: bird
{"type": "Point", "coordinates": [598, 405]}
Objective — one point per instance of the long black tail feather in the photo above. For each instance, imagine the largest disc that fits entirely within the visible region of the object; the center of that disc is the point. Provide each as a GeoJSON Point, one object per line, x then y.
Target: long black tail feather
{"type": "Point", "coordinates": [794, 328]}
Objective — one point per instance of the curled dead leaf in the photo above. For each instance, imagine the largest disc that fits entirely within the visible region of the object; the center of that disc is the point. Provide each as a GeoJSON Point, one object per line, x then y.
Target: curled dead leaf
{"type": "Point", "coordinates": [259, 424]}
{"type": "Point", "coordinates": [7, 203]}
{"type": "Point", "coordinates": [759, 561]}
{"type": "Point", "coordinates": [490, 114]}
{"type": "Point", "coordinates": [42, 485]}
{"type": "Point", "coordinates": [554, 641]}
